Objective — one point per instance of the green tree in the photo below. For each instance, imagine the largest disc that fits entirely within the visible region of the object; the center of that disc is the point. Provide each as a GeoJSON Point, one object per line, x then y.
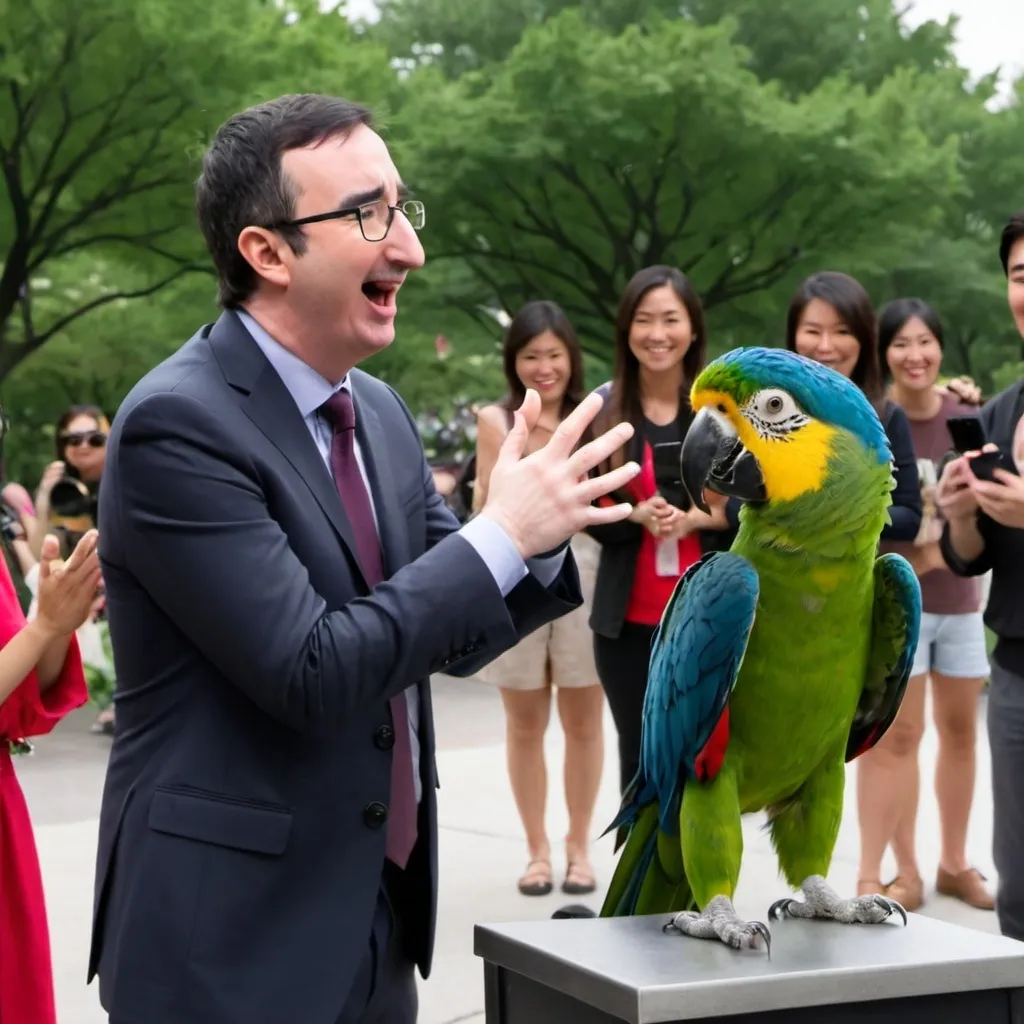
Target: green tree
{"type": "Point", "coordinates": [456, 36]}
{"type": "Point", "coordinates": [104, 108]}
{"type": "Point", "coordinates": [799, 43]}
{"type": "Point", "coordinates": [802, 43]}
{"type": "Point", "coordinates": [588, 155]}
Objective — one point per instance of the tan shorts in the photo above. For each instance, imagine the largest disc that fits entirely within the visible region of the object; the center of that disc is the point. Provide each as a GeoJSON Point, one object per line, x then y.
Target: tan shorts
{"type": "Point", "coordinates": [560, 653]}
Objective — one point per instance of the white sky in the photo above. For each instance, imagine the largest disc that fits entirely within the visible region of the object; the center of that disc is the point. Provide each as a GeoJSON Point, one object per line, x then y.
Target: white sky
{"type": "Point", "coordinates": [991, 31]}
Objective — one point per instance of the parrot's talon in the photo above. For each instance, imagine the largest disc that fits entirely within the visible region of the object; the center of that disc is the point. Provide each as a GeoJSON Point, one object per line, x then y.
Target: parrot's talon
{"type": "Point", "coordinates": [719, 920]}
{"type": "Point", "coordinates": [892, 906]}
{"type": "Point", "coordinates": [821, 902]}
{"type": "Point", "coordinates": [760, 929]}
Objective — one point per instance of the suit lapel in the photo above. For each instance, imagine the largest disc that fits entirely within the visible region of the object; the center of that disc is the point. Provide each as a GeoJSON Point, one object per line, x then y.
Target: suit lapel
{"type": "Point", "coordinates": [267, 402]}
{"type": "Point", "coordinates": [394, 532]}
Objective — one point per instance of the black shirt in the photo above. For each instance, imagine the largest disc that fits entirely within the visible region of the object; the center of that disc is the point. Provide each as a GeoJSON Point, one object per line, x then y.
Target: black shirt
{"type": "Point", "coordinates": [1003, 553]}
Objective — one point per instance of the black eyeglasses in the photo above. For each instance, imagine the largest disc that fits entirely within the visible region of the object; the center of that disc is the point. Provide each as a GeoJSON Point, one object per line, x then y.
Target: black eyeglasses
{"type": "Point", "coordinates": [374, 218]}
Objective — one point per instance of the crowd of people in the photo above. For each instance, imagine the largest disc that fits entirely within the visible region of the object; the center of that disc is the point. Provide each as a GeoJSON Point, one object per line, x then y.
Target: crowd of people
{"type": "Point", "coordinates": [281, 578]}
{"type": "Point", "coordinates": [895, 357]}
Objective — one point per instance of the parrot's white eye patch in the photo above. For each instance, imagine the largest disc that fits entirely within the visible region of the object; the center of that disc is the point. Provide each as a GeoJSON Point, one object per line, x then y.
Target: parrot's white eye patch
{"type": "Point", "coordinates": [774, 413]}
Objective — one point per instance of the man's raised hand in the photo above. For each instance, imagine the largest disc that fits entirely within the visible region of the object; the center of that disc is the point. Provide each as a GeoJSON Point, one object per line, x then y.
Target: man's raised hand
{"type": "Point", "coordinates": [547, 497]}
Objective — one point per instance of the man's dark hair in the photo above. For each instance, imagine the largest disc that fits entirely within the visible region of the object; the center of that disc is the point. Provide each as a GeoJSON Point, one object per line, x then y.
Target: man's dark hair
{"type": "Point", "coordinates": [242, 184]}
{"type": "Point", "coordinates": [1012, 234]}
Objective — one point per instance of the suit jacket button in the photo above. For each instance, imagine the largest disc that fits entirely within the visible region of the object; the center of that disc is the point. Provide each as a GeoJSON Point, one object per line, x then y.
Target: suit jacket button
{"type": "Point", "coordinates": [384, 737]}
{"type": "Point", "coordinates": [375, 814]}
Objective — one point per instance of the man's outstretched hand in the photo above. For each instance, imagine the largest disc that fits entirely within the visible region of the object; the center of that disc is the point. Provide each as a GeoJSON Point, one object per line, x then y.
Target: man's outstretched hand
{"type": "Point", "coordinates": [545, 498]}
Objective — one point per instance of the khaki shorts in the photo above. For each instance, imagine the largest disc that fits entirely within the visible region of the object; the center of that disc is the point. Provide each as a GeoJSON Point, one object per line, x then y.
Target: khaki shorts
{"type": "Point", "coordinates": [560, 653]}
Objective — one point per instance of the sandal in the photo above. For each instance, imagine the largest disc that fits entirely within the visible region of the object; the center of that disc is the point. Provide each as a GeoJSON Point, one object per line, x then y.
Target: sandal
{"type": "Point", "coordinates": [537, 880]}
{"type": "Point", "coordinates": [585, 882]}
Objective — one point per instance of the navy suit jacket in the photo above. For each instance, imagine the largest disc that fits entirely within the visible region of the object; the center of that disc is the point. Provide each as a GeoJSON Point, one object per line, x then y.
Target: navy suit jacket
{"type": "Point", "coordinates": [241, 844]}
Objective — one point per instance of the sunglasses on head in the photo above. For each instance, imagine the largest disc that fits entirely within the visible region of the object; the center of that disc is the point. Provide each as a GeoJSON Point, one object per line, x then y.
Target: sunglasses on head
{"type": "Point", "coordinates": [93, 438]}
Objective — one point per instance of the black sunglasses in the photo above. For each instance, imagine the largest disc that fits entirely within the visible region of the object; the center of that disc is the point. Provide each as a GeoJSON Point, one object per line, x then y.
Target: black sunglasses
{"type": "Point", "coordinates": [93, 438]}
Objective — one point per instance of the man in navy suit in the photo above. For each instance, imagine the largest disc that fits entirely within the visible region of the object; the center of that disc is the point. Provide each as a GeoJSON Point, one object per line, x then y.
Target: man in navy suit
{"type": "Point", "coordinates": [281, 580]}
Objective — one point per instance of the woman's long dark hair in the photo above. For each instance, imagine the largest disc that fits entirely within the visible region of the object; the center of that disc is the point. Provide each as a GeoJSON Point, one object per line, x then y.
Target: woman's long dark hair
{"type": "Point", "coordinates": [847, 297]}
{"type": "Point", "coordinates": [626, 401]}
{"type": "Point", "coordinates": [533, 320]}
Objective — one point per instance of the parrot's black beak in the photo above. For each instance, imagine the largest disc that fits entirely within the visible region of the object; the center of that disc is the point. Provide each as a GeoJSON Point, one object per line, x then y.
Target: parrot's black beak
{"type": "Point", "coordinates": [713, 456]}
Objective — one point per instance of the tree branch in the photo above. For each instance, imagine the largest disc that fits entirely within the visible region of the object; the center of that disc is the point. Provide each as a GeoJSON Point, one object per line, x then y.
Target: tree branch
{"type": "Point", "coordinates": [10, 357]}
{"type": "Point", "coordinates": [141, 241]}
{"type": "Point", "coordinates": [620, 251]}
{"type": "Point", "coordinates": [104, 136]}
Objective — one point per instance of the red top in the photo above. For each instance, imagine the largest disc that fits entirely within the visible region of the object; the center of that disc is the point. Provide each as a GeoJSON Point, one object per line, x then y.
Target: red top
{"type": "Point", "coordinates": [26, 979]}
{"type": "Point", "coordinates": [651, 592]}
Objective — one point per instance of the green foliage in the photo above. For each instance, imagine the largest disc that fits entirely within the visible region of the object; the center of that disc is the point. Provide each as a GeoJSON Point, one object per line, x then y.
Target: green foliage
{"type": "Point", "coordinates": [586, 156]}
{"type": "Point", "coordinates": [802, 43]}
{"type": "Point", "coordinates": [96, 359]}
{"type": "Point", "coordinates": [1007, 375]}
{"type": "Point", "coordinates": [105, 106]}
{"type": "Point", "coordinates": [559, 144]}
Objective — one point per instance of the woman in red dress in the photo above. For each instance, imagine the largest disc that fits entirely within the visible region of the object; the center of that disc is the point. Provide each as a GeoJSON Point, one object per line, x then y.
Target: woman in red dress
{"type": "Point", "coordinates": [41, 680]}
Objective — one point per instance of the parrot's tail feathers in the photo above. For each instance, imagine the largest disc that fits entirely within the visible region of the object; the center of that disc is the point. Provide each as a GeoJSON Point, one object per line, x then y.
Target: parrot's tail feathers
{"type": "Point", "coordinates": [631, 897]}
{"type": "Point", "coordinates": [640, 847]}
{"type": "Point", "coordinates": [659, 893]}
{"type": "Point", "coordinates": [633, 800]}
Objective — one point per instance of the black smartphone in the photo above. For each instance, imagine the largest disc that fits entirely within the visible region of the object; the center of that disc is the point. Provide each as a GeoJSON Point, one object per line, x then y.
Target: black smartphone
{"type": "Point", "coordinates": [668, 473]}
{"type": "Point", "coordinates": [983, 466]}
{"type": "Point", "coordinates": [967, 433]}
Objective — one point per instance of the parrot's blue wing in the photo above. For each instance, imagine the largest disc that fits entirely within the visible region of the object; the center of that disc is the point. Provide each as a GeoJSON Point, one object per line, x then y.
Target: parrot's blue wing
{"type": "Point", "coordinates": [696, 655]}
{"type": "Point", "coordinates": [895, 631]}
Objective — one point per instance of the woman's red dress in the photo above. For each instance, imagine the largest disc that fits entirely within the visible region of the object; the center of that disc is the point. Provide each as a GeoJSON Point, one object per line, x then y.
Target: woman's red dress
{"type": "Point", "coordinates": [26, 975]}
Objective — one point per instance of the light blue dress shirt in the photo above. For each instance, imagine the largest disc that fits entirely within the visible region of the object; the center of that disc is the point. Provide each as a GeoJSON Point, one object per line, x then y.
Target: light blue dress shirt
{"type": "Point", "coordinates": [494, 546]}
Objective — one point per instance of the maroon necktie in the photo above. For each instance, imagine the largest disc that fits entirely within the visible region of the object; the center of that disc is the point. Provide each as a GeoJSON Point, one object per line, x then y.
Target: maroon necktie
{"type": "Point", "coordinates": [340, 413]}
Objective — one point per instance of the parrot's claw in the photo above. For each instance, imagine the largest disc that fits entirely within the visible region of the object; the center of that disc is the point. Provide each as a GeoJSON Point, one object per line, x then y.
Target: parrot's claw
{"type": "Point", "coordinates": [720, 921]}
{"type": "Point", "coordinates": [822, 903]}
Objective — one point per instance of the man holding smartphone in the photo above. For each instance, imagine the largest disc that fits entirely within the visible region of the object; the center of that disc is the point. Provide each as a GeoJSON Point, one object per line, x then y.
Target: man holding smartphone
{"type": "Point", "coordinates": [984, 532]}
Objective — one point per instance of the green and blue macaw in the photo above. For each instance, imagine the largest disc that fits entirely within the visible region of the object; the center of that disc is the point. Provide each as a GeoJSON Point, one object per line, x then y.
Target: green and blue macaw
{"type": "Point", "coordinates": [776, 662]}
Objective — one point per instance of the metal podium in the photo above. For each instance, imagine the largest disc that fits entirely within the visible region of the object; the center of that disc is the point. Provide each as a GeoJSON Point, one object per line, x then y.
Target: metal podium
{"type": "Point", "coordinates": [600, 971]}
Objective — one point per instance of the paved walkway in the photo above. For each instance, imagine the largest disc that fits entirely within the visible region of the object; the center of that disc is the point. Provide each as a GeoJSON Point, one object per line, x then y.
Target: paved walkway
{"type": "Point", "coordinates": [482, 851]}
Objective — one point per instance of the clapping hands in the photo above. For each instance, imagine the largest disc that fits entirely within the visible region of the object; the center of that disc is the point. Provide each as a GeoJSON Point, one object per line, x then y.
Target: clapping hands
{"type": "Point", "coordinates": [67, 590]}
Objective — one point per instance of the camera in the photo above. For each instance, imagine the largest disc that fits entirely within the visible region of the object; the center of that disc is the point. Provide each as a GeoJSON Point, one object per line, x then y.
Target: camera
{"type": "Point", "coordinates": [10, 523]}
{"type": "Point", "coordinates": [72, 512]}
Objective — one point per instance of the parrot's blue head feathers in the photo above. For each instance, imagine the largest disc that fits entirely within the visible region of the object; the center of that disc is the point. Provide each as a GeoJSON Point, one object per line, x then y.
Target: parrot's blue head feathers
{"type": "Point", "coordinates": [821, 392]}
{"type": "Point", "coordinates": [768, 424]}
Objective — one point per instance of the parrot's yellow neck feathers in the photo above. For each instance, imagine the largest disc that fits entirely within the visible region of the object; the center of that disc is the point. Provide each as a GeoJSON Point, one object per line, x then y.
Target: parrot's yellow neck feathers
{"type": "Point", "coordinates": [790, 467]}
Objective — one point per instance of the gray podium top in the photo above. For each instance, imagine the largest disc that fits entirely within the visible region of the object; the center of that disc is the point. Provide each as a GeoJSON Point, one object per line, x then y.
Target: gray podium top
{"type": "Point", "coordinates": [629, 968]}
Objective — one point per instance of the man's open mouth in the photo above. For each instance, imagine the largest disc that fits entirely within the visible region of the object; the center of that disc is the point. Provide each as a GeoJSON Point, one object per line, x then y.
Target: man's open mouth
{"type": "Point", "coordinates": [381, 293]}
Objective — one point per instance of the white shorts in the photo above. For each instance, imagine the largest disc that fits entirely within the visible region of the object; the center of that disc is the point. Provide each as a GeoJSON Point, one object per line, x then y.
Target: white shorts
{"type": "Point", "coordinates": [952, 645]}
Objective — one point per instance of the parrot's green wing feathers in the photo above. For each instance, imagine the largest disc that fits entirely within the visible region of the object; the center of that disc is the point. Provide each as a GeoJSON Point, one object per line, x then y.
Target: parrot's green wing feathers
{"type": "Point", "coordinates": [895, 630]}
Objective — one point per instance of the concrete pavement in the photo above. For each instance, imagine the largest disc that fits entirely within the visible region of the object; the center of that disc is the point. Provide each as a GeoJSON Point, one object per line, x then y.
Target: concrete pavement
{"type": "Point", "coordinates": [482, 851]}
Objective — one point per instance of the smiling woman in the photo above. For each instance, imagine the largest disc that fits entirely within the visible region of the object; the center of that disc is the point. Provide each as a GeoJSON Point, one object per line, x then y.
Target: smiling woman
{"type": "Point", "coordinates": [831, 320]}
{"type": "Point", "coordinates": [541, 352]}
{"type": "Point", "coordinates": [951, 652]}
{"type": "Point", "coordinates": [660, 344]}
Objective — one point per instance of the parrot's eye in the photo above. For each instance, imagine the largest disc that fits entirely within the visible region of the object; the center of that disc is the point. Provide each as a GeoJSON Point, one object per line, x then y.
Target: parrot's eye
{"type": "Point", "coordinates": [775, 413]}
{"type": "Point", "coordinates": [773, 404]}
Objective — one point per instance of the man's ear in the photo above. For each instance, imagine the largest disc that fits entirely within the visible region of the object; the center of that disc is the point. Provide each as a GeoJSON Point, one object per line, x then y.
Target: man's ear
{"type": "Point", "coordinates": [268, 254]}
